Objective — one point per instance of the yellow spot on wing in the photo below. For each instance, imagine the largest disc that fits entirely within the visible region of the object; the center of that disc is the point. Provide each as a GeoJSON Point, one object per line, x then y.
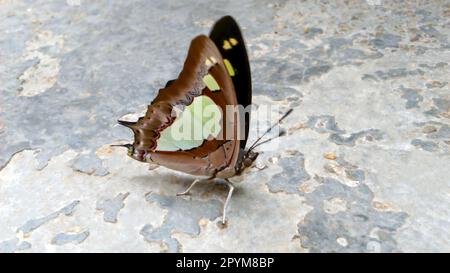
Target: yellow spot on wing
{"type": "Point", "coordinates": [226, 45]}
{"type": "Point", "coordinates": [233, 41]}
{"type": "Point", "coordinates": [211, 83]}
{"type": "Point", "coordinates": [229, 67]}
{"type": "Point", "coordinates": [210, 62]}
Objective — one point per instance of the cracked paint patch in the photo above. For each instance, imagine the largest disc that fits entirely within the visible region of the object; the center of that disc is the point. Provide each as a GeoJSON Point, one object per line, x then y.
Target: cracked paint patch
{"type": "Point", "coordinates": [89, 164]}
{"type": "Point", "coordinates": [412, 97]}
{"type": "Point", "coordinates": [111, 207]}
{"type": "Point", "coordinates": [282, 92]}
{"type": "Point", "coordinates": [437, 130]}
{"type": "Point", "coordinates": [437, 136]}
{"type": "Point", "coordinates": [350, 140]}
{"type": "Point", "coordinates": [386, 40]}
{"type": "Point", "coordinates": [439, 65]}
{"type": "Point", "coordinates": [328, 125]}
{"type": "Point", "coordinates": [311, 32]}
{"type": "Point", "coordinates": [435, 84]}
{"type": "Point", "coordinates": [14, 245]}
{"type": "Point", "coordinates": [292, 176]}
{"type": "Point", "coordinates": [183, 216]}
{"type": "Point", "coordinates": [442, 104]}
{"type": "Point", "coordinates": [434, 129]}
{"type": "Point", "coordinates": [60, 183]}
{"type": "Point", "coordinates": [324, 124]}
{"type": "Point", "coordinates": [42, 75]}
{"type": "Point", "coordinates": [334, 205]}
{"type": "Point", "coordinates": [33, 224]}
{"type": "Point", "coordinates": [352, 171]}
{"type": "Point", "coordinates": [394, 73]}
{"type": "Point", "coordinates": [428, 146]}
{"type": "Point", "coordinates": [72, 238]}
{"type": "Point", "coordinates": [346, 172]}
{"type": "Point", "coordinates": [248, 214]}
{"type": "Point", "coordinates": [345, 215]}
{"type": "Point", "coordinates": [343, 220]}
{"type": "Point", "coordinates": [440, 108]}
{"type": "Point", "coordinates": [315, 71]}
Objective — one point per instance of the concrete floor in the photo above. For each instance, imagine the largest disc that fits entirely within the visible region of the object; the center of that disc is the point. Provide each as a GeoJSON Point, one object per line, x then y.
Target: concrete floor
{"type": "Point", "coordinates": [364, 167]}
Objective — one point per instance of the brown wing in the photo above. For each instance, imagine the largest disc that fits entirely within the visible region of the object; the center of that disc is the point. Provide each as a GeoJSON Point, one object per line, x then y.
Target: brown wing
{"type": "Point", "coordinates": [214, 157]}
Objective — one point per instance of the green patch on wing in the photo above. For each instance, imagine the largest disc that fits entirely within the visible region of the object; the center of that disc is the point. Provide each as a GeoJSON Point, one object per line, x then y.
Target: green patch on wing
{"type": "Point", "coordinates": [211, 83]}
{"type": "Point", "coordinates": [199, 121]}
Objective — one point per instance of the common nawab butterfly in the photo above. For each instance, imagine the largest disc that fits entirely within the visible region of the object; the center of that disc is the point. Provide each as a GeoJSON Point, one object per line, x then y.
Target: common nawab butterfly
{"type": "Point", "coordinates": [208, 103]}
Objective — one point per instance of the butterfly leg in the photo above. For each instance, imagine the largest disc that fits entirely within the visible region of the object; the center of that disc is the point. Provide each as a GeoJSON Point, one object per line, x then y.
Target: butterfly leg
{"type": "Point", "coordinates": [227, 201]}
{"type": "Point", "coordinates": [192, 185]}
{"type": "Point", "coordinates": [189, 188]}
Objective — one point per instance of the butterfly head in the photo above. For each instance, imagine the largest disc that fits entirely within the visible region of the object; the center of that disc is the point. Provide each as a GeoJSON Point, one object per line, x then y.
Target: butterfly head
{"type": "Point", "coordinates": [133, 152]}
{"type": "Point", "coordinates": [139, 155]}
{"type": "Point", "coordinates": [246, 161]}
{"type": "Point", "coordinates": [249, 158]}
{"type": "Point", "coordinates": [130, 149]}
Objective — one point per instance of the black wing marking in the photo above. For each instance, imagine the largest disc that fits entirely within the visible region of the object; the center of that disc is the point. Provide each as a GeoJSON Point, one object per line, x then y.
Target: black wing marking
{"type": "Point", "coordinates": [224, 30]}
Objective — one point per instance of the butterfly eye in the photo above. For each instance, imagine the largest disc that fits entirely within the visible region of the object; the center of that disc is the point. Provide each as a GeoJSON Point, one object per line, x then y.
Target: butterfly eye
{"type": "Point", "coordinates": [130, 150]}
{"type": "Point", "coordinates": [248, 162]}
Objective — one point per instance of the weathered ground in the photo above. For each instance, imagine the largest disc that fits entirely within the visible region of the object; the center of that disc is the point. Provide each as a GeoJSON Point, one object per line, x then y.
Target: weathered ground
{"type": "Point", "coordinates": [364, 167]}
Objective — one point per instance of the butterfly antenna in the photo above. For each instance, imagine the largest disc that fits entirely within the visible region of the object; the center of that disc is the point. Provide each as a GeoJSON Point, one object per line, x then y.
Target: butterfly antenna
{"type": "Point", "coordinates": [121, 145]}
{"type": "Point", "coordinates": [282, 133]}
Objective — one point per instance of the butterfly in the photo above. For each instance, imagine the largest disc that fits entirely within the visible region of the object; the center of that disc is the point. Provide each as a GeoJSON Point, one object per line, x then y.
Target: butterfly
{"type": "Point", "coordinates": [215, 75]}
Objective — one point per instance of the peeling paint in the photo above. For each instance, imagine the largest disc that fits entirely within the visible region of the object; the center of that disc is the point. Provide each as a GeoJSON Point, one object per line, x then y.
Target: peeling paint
{"type": "Point", "coordinates": [43, 73]}
{"type": "Point", "coordinates": [183, 216]}
{"type": "Point", "coordinates": [350, 140]}
{"type": "Point", "coordinates": [322, 228]}
{"type": "Point", "coordinates": [292, 176]}
{"type": "Point", "coordinates": [13, 245]}
{"type": "Point", "coordinates": [429, 146]}
{"type": "Point", "coordinates": [111, 207]}
{"type": "Point", "coordinates": [327, 124]}
{"type": "Point", "coordinates": [412, 97]}
{"type": "Point", "coordinates": [33, 224]}
{"type": "Point", "coordinates": [66, 238]}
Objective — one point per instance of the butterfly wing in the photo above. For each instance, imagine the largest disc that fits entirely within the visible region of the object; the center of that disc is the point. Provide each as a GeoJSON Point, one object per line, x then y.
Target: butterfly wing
{"type": "Point", "coordinates": [204, 80]}
{"type": "Point", "coordinates": [228, 38]}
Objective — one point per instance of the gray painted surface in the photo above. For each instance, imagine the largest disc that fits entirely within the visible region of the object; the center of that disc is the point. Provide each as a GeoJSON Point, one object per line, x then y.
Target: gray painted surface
{"type": "Point", "coordinates": [364, 166]}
